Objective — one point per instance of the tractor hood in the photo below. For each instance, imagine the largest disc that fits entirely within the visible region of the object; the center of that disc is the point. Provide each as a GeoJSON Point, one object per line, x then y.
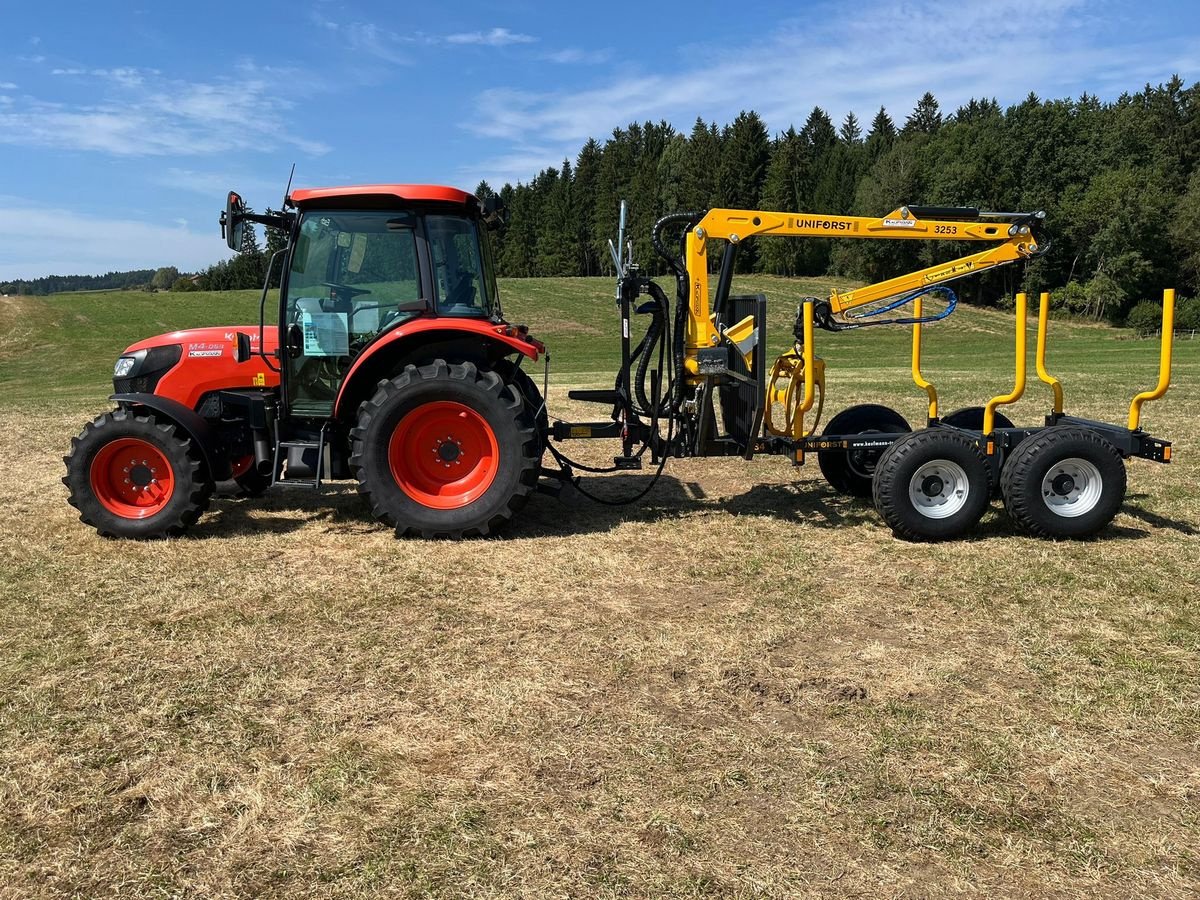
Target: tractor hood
{"type": "Point", "coordinates": [206, 361]}
{"type": "Point", "coordinates": [209, 343]}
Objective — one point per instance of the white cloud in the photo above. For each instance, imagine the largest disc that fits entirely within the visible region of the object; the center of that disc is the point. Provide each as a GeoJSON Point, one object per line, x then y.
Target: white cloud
{"type": "Point", "coordinates": [139, 113]}
{"type": "Point", "coordinates": [7, 86]}
{"type": "Point", "coordinates": [37, 240]}
{"type": "Point", "coordinates": [496, 37]}
{"type": "Point", "coordinates": [569, 55]}
{"type": "Point", "coordinates": [885, 52]}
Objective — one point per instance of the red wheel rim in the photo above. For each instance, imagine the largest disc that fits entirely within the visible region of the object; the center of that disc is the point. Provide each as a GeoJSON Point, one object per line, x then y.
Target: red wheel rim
{"type": "Point", "coordinates": [444, 455]}
{"type": "Point", "coordinates": [241, 466]}
{"type": "Point", "coordinates": [132, 478]}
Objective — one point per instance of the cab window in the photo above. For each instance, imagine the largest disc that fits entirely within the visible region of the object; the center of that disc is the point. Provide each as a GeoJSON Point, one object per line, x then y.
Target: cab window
{"type": "Point", "coordinates": [458, 267]}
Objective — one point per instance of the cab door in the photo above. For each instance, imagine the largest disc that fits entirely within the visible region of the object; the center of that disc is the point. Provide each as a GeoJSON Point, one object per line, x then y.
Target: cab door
{"type": "Point", "coordinates": [354, 274]}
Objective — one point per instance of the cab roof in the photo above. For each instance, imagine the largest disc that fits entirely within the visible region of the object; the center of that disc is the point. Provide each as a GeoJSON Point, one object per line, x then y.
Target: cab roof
{"type": "Point", "coordinates": [427, 193]}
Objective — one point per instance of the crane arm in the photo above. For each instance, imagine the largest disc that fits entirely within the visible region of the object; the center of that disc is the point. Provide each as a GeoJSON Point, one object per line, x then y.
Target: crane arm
{"type": "Point", "coordinates": [1013, 233]}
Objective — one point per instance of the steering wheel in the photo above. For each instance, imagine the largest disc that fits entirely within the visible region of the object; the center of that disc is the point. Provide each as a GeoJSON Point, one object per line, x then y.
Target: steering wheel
{"type": "Point", "coordinates": [345, 291]}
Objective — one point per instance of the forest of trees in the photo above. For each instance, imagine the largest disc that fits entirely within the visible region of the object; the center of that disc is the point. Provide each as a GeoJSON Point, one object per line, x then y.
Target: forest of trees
{"type": "Point", "coordinates": [1118, 180]}
{"type": "Point", "coordinates": [53, 284]}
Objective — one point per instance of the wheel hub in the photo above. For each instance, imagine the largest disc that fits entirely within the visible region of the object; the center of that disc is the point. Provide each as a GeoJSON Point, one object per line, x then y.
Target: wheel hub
{"type": "Point", "coordinates": [1063, 484]}
{"type": "Point", "coordinates": [444, 454]}
{"type": "Point", "coordinates": [932, 486]}
{"type": "Point", "coordinates": [132, 478]}
{"type": "Point", "coordinates": [939, 489]}
{"type": "Point", "coordinates": [1072, 487]}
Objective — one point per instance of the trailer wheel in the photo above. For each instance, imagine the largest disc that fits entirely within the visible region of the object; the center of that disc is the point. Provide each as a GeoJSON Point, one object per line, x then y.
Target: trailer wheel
{"type": "Point", "coordinates": [971, 418]}
{"type": "Point", "coordinates": [852, 472]}
{"type": "Point", "coordinates": [932, 485]}
{"type": "Point", "coordinates": [1063, 482]}
{"type": "Point", "coordinates": [133, 476]}
{"type": "Point", "coordinates": [445, 451]}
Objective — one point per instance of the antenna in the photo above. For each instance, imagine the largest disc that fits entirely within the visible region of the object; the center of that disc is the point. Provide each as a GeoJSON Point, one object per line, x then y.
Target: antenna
{"type": "Point", "coordinates": [287, 190]}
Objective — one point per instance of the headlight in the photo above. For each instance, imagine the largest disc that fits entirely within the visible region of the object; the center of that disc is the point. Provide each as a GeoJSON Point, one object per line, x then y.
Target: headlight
{"type": "Point", "coordinates": [124, 366]}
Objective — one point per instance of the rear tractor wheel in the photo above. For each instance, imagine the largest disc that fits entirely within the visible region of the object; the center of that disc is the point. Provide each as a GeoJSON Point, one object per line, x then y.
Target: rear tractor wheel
{"type": "Point", "coordinates": [932, 485]}
{"type": "Point", "coordinates": [445, 451]}
{"type": "Point", "coordinates": [133, 476]}
{"type": "Point", "coordinates": [851, 472]}
{"type": "Point", "coordinates": [1063, 482]}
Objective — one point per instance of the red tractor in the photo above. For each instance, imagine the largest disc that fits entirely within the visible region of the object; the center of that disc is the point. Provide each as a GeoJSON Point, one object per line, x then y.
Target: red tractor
{"type": "Point", "coordinates": [391, 363]}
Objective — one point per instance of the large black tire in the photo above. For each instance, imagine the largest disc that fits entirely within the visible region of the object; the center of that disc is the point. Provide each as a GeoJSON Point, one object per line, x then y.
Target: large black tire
{"type": "Point", "coordinates": [115, 480]}
{"type": "Point", "coordinates": [932, 485]}
{"type": "Point", "coordinates": [852, 472]}
{"type": "Point", "coordinates": [971, 417]}
{"type": "Point", "coordinates": [1063, 482]}
{"type": "Point", "coordinates": [535, 404]}
{"type": "Point", "coordinates": [489, 434]}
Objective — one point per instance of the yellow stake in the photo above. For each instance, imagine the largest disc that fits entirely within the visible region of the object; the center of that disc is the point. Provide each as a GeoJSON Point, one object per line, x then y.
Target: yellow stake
{"type": "Point", "coordinates": [918, 378]}
{"type": "Point", "coordinates": [1164, 361]}
{"type": "Point", "coordinates": [989, 411]}
{"type": "Point", "coordinates": [1043, 321]}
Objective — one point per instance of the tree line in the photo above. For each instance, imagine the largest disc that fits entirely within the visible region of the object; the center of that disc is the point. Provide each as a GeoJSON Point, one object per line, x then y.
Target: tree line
{"type": "Point", "coordinates": [53, 284]}
{"type": "Point", "coordinates": [1118, 181]}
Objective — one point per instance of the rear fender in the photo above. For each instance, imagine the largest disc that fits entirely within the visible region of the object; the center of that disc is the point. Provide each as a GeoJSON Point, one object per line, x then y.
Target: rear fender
{"type": "Point", "coordinates": [203, 435]}
{"type": "Point", "coordinates": [420, 342]}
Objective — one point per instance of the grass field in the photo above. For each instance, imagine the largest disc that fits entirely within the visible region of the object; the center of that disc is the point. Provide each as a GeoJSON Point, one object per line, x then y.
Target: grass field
{"type": "Point", "coordinates": [744, 686]}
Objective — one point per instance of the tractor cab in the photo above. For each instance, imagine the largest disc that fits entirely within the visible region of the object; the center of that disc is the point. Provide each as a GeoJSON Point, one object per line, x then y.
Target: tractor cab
{"type": "Point", "coordinates": [362, 265]}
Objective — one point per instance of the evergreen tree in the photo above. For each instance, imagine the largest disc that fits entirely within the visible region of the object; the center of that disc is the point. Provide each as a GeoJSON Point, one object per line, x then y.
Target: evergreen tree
{"type": "Point", "coordinates": [851, 131]}
{"type": "Point", "coordinates": [702, 171]}
{"type": "Point", "coordinates": [818, 130]}
{"type": "Point", "coordinates": [746, 152]}
{"type": "Point", "coordinates": [881, 136]}
{"type": "Point", "coordinates": [926, 117]}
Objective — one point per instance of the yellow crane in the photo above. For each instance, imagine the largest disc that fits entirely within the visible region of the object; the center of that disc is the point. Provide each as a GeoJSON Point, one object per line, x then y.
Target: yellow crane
{"type": "Point", "coordinates": [720, 395]}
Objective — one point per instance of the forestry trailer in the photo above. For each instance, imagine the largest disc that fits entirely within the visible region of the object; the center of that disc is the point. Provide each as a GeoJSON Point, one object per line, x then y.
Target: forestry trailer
{"type": "Point", "coordinates": [391, 363]}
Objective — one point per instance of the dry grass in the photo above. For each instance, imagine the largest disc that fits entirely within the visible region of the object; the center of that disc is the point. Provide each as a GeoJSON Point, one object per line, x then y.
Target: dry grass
{"type": "Point", "coordinates": [743, 686]}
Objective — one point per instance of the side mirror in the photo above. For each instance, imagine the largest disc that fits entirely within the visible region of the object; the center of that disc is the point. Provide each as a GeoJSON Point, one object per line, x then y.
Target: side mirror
{"type": "Point", "coordinates": [495, 213]}
{"type": "Point", "coordinates": [232, 223]}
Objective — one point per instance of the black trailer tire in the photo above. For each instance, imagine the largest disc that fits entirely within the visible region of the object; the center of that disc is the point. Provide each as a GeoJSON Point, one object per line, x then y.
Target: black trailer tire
{"type": "Point", "coordinates": [1063, 482]}
{"type": "Point", "coordinates": [932, 485]}
{"type": "Point", "coordinates": [483, 459]}
{"type": "Point", "coordinates": [971, 418]}
{"type": "Point", "coordinates": [135, 476]}
{"type": "Point", "coordinates": [852, 472]}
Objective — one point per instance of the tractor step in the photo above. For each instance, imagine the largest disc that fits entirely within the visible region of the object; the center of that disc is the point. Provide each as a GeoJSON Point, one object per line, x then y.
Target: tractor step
{"type": "Point", "coordinates": [283, 453]}
{"type": "Point", "coordinates": [608, 398]}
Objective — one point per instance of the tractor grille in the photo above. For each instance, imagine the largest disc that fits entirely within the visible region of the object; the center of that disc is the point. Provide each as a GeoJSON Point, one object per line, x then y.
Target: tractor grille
{"type": "Point", "coordinates": [146, 374]}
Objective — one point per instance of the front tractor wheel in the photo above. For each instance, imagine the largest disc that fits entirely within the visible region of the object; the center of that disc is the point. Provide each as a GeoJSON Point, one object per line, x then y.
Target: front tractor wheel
{"type": "Point", "coordinates": [932, 485]}
{"type": "Point", "coordinates": [445, 451]}
{"type": "Point", "coordinates": [132, 476]}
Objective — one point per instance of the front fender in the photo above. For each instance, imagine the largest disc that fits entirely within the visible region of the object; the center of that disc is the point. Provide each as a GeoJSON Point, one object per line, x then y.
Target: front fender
{"type": "Point", "coordinates": [423, 340]}
{"type": "Point", "coordinates": [203, 435]}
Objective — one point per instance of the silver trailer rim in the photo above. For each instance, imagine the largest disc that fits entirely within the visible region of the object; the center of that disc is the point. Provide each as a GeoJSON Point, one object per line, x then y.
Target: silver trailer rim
{"type": "Point", "coordinates": [939, 489]}
{"type": "Point", "coordinates": [1072, 487]}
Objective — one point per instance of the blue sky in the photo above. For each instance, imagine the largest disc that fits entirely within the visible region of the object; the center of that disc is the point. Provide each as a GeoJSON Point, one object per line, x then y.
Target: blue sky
{"type": "Point", "coordinates": [122, 127]}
